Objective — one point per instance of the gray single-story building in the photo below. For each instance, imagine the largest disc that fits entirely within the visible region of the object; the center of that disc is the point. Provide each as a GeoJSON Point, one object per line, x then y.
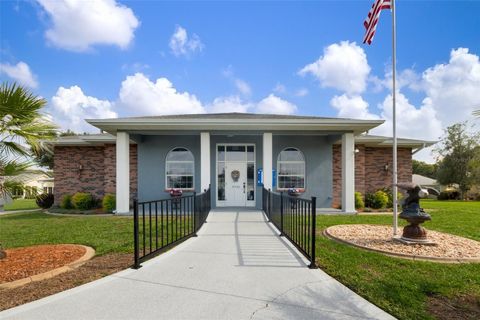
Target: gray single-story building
{"type": "Point", "coordinates": [236, 154]}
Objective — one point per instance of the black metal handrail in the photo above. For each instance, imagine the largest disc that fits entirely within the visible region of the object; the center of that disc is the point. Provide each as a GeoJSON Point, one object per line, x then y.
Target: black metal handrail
{"type": "Point", "coordinates": [295, 218]}
{"type": "Point", "coordinates": [160, 224]}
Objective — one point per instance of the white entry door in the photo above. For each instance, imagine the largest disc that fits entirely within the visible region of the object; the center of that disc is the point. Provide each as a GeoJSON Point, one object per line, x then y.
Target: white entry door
{"type": "Point", "coordinates": [235, 184]}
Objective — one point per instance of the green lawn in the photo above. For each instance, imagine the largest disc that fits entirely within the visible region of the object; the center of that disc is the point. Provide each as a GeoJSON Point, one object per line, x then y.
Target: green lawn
{"type": "Point", "coordinates": [104, 234]}
{"type": "Point", "coordinates": [402, 287]}
{"type": "Point", "coordinates": [21, 204]}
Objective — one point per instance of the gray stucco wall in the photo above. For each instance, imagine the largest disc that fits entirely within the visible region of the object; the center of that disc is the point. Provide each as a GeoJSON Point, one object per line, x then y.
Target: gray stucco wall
{"type": "Point", "coordinates": [318, 164]}
{"type": "Point", "coordinates": [152, 151]}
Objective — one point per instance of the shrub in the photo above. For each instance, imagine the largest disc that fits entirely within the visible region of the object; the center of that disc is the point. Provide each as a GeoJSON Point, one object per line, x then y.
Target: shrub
{"type": "Point", "coordinates": [359, 204]}
{"type": "Point", "coordinates": [369, 199]}
{"type": "Point", "coordinates": [108, 202]}
{"type": "Point", "coordinates": [377, 200]}
{"type": "Point", "coordinates": [389, 193]}
{"type": "Point", "coordinates": [449, 195]}
{"type": "Point", "coordinates": [66, 202]}
{"type": "Point", "coordinates": [83, 201]}
{"type": "Point", "coordinates": [44, 200]}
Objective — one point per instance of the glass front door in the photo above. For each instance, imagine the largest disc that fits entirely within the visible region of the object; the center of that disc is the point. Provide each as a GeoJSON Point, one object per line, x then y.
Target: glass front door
{"type": "Point", "coordinates": [236, 175]}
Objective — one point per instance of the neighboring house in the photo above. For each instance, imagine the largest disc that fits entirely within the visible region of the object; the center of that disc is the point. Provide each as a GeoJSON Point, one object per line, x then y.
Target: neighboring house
{"type": "Point", "coordinates": [234, 153]}
{"type": "Point", "coordinates": [427, 182]}
{"type": "Point", "coordinates": [33, 182]}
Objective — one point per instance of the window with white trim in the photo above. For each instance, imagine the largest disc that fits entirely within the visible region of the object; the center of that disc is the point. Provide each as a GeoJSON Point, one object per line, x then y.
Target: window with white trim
{"type": "Point", "coordinates": [179, 169]}
{"type": "Point", "coordinates": [290, 169]}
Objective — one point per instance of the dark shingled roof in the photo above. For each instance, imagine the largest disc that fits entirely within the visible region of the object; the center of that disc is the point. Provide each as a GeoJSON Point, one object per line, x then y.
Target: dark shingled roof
{"type": "Point", "coordinates": [230, 115]}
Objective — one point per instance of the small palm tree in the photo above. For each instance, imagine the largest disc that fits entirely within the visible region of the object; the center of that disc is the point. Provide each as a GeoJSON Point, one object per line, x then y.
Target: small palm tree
{"type": "Point", "coordinates": [24, 130]}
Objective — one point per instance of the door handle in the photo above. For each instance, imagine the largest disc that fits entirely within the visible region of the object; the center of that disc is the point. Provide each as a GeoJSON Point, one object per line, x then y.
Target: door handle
{"type": "Point", "coordinates": [244, 187]}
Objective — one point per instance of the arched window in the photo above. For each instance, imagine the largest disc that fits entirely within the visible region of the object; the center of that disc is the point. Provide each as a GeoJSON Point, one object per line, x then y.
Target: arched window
{"type": "Point", "coordinates": [291, 169]}
{"type": "Point", "coordinates": [179, 169]}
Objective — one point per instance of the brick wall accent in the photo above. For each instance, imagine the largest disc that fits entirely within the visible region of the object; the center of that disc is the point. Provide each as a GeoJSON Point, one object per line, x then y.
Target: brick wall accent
{"type": "Point", "coordinates": [375, 161]}
{"type": "Point", "coordinates": [370, 174]}
{"type": "Point", "coordinates": [89, 169]}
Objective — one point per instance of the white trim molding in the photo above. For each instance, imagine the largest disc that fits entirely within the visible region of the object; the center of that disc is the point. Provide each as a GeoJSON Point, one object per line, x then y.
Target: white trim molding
{"type": "Point", "coordinates": [204, 160]}
{"type": "Point", "coordinates": [267, 160]}
{"type": "Point", "coordinates": [348, 173]}
{"type": "Point", "coordinates": [123, 172]}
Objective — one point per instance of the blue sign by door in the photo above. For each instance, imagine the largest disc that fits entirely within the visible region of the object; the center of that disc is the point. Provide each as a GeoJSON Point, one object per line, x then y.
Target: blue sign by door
{"type": "Point", "coordinates": [259, 177]}
{"type": "Point", "coordinates": [274, 178]}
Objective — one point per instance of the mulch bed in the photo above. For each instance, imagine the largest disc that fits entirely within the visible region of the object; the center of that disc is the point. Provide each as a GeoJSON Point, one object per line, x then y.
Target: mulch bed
{"type": "Point", "coordinates": [456, 308]}
{"type": "Point", "coordinates": [94, 269]}
{"type": "Point", "coordinates": [377, 237]}
{"type": "Point", "coordinates": [29, 261]}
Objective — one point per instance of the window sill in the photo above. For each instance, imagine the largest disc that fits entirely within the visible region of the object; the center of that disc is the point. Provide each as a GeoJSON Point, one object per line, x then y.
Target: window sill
{"type": "Point", "coordinates": [300, 190]}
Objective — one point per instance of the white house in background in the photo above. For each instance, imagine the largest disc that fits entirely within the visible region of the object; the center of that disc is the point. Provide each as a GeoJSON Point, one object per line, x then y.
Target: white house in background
{"type": "Point", "coordinates": [34, 182]}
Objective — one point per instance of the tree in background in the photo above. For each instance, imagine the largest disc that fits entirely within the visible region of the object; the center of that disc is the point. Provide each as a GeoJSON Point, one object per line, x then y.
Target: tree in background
{"type": "Point", "coordinates": [44, 157]}
{"type": "Point", "coordinates": [457, 157]}
{"type": "Point", "coordinates": [424, 169]}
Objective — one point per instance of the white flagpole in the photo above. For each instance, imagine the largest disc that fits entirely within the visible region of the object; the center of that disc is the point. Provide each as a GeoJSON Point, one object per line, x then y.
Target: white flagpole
{"type": "Point", "coordinates": [394, 118]}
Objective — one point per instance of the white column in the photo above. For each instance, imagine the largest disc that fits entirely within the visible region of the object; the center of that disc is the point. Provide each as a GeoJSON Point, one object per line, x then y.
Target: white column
{"type": "Point", "coordinates": [204, 160]}
{"type": "Point", "coordinates": [348, 172]}
{"type": "Point", "coordinates": [267, 160]}
{"type": "Point", "coordinates": [123, 172]}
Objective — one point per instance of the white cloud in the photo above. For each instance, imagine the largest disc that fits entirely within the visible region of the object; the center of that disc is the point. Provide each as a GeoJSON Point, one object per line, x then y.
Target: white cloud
{"type": "Point", "coordinates": [229, 104]}
{"type": "Point", "coordinates": [416, 123]}
{"type": "Point", "coordinates": [275, 105]}
{"type": "Point", "coordinates": [343, 66]}
{"type": "Point", "coordinates": [243, 87]}
{"type": "Point", "coordinates": [70, 106]}
{"type": "Point", "coordinates": [78, 25]}
{"type": "Point", "coordinates": [352, 107]}
{"type": "Point", "coordinates": [20, 72]}
{"type": "Point", "coordinates": [140, 96]}
{"type": "Point", "coordinates": [302, 92]}
{"type": "Point", "coordinates": [453, 89]}
{"type": "Point", "coordinates": [182, 44]}
{"type": "Point", "coordinates": [279, 88]}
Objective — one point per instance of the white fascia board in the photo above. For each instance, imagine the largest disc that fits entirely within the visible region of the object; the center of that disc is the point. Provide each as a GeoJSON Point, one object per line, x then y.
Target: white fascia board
{"type": "Point", "coordinates": [357, 126]}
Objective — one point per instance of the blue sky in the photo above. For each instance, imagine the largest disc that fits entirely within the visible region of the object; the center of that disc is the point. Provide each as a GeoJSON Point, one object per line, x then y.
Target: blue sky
{"type": "Point", "coordinates": [103, 58]}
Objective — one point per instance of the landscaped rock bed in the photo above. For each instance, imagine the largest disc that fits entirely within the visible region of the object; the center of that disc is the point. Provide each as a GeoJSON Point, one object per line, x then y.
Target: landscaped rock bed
{"type": "Point", "coordinates": [26, 262]}
{"type": "Point", "coordinates": [448, 248]}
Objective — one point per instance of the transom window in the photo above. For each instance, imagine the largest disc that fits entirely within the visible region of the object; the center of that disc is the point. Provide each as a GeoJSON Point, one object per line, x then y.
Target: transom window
{"type": "Point", "coordinates": [179, 169]}
{"type": "Point", "coordinates": [291, 169]}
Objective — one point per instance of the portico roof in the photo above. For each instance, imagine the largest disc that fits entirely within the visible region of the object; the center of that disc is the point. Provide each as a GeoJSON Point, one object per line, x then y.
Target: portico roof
{"type": "Point", "coordinates": [367, 140]}
{"type": "Point", "coordinates": [234, 121]}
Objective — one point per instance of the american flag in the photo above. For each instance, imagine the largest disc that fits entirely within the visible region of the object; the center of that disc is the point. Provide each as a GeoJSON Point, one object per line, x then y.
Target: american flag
{"type": "Point", "coordinates": [371, 21]}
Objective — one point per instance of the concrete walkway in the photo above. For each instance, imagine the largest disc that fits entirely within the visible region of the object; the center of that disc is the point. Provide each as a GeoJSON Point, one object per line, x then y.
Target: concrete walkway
{"type": "Point", "coordinates": [237, 268]}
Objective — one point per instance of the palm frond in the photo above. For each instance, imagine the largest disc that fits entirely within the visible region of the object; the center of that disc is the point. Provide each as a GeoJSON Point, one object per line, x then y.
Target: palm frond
{"type": "Point", "coordinates": [22, 122]}
{"type": "Point", "coordinates": [11, 168]}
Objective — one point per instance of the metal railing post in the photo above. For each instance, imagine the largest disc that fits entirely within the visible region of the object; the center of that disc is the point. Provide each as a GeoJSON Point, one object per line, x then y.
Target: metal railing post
{"type": "Point", "coordinates": [195, 214]}
{"type": "Point", "coordinates": [281, 214]}
{"type": "Point", "coordinates": [270, 202]}
{"type": "Point", "coordinates": [314, 228]}
{"type": "Point", "coordinates": [136, 258]}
